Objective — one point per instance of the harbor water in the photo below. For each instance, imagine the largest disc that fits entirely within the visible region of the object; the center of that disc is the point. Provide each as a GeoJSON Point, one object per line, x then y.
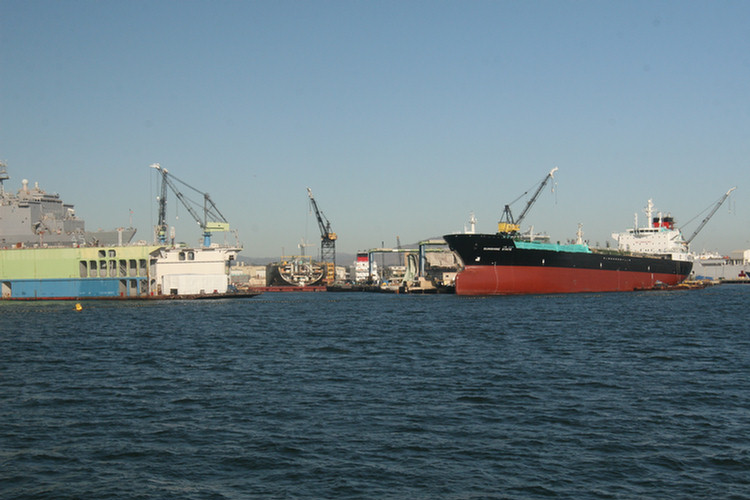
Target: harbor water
{"type": "Point", "coordinates": [359, 395]}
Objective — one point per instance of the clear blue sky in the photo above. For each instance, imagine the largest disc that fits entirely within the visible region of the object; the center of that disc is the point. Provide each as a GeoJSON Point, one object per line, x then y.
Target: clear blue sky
{"type": "Point", "coordinates": [403, 117]}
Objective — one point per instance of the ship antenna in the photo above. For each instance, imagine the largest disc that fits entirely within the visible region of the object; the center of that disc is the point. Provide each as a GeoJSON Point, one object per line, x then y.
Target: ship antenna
{"type": "Point", "coordinates": [3, 176]}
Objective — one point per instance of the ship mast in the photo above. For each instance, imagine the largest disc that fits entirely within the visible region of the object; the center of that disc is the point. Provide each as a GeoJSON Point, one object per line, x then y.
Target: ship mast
{"type": "Point", "coordinates": [649, 213]}
{"type": "Point", "coordinates": [3, 176]}
{"type": "Point", "coordinates": [472, 225]}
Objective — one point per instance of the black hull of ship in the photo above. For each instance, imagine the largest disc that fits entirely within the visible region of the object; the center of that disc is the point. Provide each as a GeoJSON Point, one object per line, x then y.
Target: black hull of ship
{"type": "Point", "coordinates": [494, 265]}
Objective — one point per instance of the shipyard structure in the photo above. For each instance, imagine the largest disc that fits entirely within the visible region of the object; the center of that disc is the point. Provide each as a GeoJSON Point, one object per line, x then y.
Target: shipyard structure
{"type": "Point", "coordinates": [46, 253]}
{"type": "Point", "coordinates": [713, 266]}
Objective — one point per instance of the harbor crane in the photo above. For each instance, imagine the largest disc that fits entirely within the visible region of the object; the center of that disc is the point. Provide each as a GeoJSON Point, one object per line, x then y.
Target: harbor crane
{"type": "Point", "coordinates": [711, 214]}
{"type": "Point", "coordinates": [327, 237]}
{"type": "Point", "coordinates": [508, 224]}
{"type": "Point", "coordinates": [212, 219]}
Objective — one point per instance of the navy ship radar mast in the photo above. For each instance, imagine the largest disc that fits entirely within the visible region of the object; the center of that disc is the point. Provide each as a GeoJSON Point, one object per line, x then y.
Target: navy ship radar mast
{"type": "Point", "coordinates": [3, 176]}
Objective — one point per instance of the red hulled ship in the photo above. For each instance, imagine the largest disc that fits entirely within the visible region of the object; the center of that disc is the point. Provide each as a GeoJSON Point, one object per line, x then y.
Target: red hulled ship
{"type": "Point", "coordinates": [509, 262]}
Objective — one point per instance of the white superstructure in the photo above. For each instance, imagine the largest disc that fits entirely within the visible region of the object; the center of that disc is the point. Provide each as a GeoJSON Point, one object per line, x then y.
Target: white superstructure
{"type": "Point", "coordinates": [659, 237]}
{"type": "Point", "coordinates": [364, 270]}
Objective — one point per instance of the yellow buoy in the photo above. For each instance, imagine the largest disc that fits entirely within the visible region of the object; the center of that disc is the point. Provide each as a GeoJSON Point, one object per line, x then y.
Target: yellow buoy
{"type": "Point", "coordinates": [78, 307]}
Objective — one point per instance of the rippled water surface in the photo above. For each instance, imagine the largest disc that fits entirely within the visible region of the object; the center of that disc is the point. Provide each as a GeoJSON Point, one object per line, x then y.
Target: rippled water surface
{"type": "Point", "coordinates": [355, 395]}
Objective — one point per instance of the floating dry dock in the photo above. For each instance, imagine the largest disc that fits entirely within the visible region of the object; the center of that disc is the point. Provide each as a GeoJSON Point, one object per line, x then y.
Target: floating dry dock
{"type": "Point", "coordinates": [114, 272]}
{"type": "Point", "coordinates": [205, 296]}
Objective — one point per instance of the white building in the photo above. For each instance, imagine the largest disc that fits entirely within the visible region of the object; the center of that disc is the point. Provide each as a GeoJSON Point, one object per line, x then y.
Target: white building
{"type": "Point", "coordinates": [192, 271]}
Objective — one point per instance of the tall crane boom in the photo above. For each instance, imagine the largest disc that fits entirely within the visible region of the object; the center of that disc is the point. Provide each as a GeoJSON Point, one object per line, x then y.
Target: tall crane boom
{"type": "Point", "coordinates": [549, 176]}
{"type": "Point", "coordinates": [323, 223]}
{"type": "Point", "coordinates": [327, 239]}
{"type": "Point", "coordinates": [217, 221]}
{"type": "Point", "coordinates": [711, 214]}
{"type": "Point", "coordinates": [509, 225]}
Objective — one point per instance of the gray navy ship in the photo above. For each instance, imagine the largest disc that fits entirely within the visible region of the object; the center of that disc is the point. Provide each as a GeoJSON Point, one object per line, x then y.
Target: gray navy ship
{"type": "Point", "coordinates": [32, 217]}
